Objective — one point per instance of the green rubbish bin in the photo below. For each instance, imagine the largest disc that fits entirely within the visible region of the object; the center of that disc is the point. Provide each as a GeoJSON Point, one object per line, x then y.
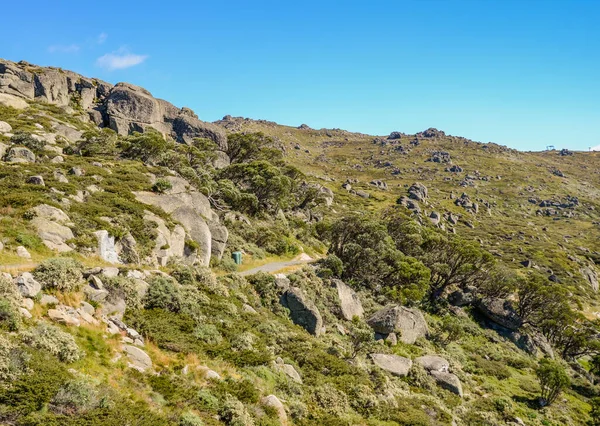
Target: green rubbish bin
{"type": "Point", "coordinates": [237, 257]}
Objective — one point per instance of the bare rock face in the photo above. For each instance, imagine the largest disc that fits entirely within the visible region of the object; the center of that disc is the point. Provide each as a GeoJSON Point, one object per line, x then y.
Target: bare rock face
{"type": "Point", "coordinates": [350, 305]}
{"type": "Point", "coordinates": [106, 247]}
{"type": "Point", "coordinates": [397, 365]}
{"type": "Point", "coordinates": [302, 310]}
{"type": "Point", "coordinates": [52, 227]}
{"type": "Point", "coordinates": [124, 107]}
{"type": "Point", "coordinates": [409, 323]}
{"type": "Point", "coordinates": [590, 275]}
{"type": "Point", "coordinates": [191, 209]}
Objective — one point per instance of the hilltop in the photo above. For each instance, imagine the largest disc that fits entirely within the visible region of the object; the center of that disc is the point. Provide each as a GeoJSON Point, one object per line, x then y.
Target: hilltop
{"type": "Point", "coordinates": [446, 276]}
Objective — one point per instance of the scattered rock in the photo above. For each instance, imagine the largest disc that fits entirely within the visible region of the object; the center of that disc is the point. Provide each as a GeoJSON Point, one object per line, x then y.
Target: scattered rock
{"type": "Point", "coordinates": [48, 299]}
{"type": "Point", "coordinates": [27, 285]}
{"type": "Point", "coordinates": [408, 322]}
{"type": "Point", "coordinates": [106, 247]}
{"type": "Point", "coordinates": [397, 365]}
{"type": "Point", "coordinates": [448, 381]}
{"type": "Point", "coordinates": [272, 402]}
{"type": "Point", "coordinates": [501, 312]}
{"type": "Point", "coordinates": [350, 304]}
{"type": "Point", "coordinates": [22, 252]}
{"type": "Point", "coordinates": [139, 359]}
{"type": "Point", "coordinates": [64, 315]}
{"type": "Point", "coordinates": [418, 192]}
{"type": "Point", "coordinates": [591, 276]}
{"type": "Point", "coordinates": [20, 154]}
{"type": "Point", "coordinates": [5, 127]}
{"type": "Point", "coordinates": [302, 310]}
{"type": "Point", "coordinates": [51, 224]}
{"type": "Point", "coordinates": [433, 363]}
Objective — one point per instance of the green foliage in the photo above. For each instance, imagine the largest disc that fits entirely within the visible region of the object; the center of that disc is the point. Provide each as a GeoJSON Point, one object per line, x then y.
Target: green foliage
{"type": "Point", "coordinates": [331, 266]}
{"type": "Point", "coordinates": [161, 186]}
{"type": "Point", "coordinates": [101, 142]}
{"type": "Point", "coordinates": [75, 397]}
{"type": "Point", "coordinates": [163, 293]}
{"type": "Point", "coordinates": [13, 361]}
{"type": "Point", "coordinates": [61, 273]}
{"type": "Point", "coordinates": [10, 317]}
{"type": "Point", "coordinates": [263, 186]}
{"type": "Point", "coordinates": [552, 378]}
{"type": "Point", "coordinates": [54, 341]}
{"type": "Point", "coordinates": [148, 147]}
{"type": "Point", "coordinates": [27, 140]}
{"type": "Point", "coordinates": [190, 419]}
{"type": "Point", "coordinates": [123, 288]}
{"type": "Point", "coordinates": [234, 413]}
{"type": "Point", "coordinates": [251, 146]}
{"type": "Point", "coordinates": [595, 412]}
{"type": "Point", "coordinates": [372, 260]}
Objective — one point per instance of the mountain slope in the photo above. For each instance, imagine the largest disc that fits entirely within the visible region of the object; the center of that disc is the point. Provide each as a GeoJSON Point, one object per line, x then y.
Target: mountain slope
{"type": "Point", "coordinates": [449, 270]}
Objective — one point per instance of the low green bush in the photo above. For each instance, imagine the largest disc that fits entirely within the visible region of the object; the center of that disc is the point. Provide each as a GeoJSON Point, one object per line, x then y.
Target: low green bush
{"type": "Point", "coordinates": [63, 274]}
{"type": "Point", "coordinates": [54, 341]}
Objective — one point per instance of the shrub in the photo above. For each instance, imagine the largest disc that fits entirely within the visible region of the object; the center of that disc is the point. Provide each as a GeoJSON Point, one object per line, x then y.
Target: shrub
{"type": "Point", "coordinates": [75, 397]}
{"type": "Point", "coordinates": [161, 186]}
{"type": "Point", "coordinates": [190, 419]}
{"type": "Point", "coordinates": [125, 288]}
{"type": "Point", "coordinates": [234, 413]}
{"type": "Point", "coordinates": [54, 341]}
{"type": "Point", "coordinates": [333, 264]}
{"type": "Point", "coordinates": [553, 379]}
{"type": "Point", "coordinates": [10, 318]}
{"type": "Point", "coordinates": [208, 333]}
{"type": "Point", "coordinates": [64, 274]}
{"type": "Point", "coordinates": [200, 277]}
{"type": "Point", "coordinates": [27, 140]}
{"type": "Point", "coordinates": [12, 361]}
{"type": "Point", "coordinates": [163, 294]}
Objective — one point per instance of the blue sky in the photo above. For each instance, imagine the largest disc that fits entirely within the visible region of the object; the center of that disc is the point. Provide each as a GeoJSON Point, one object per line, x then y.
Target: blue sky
{"type": "Point", "coordinates": [520, 73]}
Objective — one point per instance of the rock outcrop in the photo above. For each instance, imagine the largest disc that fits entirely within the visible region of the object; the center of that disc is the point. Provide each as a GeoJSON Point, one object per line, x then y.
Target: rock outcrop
{"type": "Point", "coordinates": [191, 209]}
{"type": "Point", "coordinates": [409, 323]}
{"type": "Point", "coordinates": [302, 310]}
{"type": "Point", "coordinates": [125, 108]}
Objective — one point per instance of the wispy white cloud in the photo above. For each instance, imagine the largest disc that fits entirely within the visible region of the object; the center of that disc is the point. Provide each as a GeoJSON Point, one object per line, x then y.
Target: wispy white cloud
{"type": "Point", "coordinates": [120, 59]}
{"type": "Point", "coordinates": [62, 48]}
{"type": "Point", "coordinates": [595, 148]}
{"type": "Point", "coordinates": [101, 38]}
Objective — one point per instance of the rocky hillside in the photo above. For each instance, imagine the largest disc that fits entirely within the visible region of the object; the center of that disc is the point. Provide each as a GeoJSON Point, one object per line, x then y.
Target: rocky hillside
{"type": "Point", "coordinates": [403, 279]}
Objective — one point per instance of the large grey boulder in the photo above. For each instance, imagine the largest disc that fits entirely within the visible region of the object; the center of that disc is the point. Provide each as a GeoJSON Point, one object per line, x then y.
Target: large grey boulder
{"type": "Point", "coordinates": [27, 285]}
{"type": "Point", "coordinates": [395, 364]}
{"type": "Point", "coordinates": [409, 323]}
{"type": "Point", "coordinates": [433, 363]}
{"type": "Point", "coordinates": [12, 101]}
{"type": "Point", "coordinates": [500, 311]}
{"type": "Point", "coordinates": [302, 310]}
{"type": "Point", "coordinates": [50, 85]}
{"type": "Point", "coordinates": [418, 192]}
{"type": "Point", "coordinates": [52, 227]}
{"type": "Point", "coordinates": [5, 127]}
{"type": "Point", "coordinates": [272, 402]}
{"type": "Point", "coordinates": [448, 381]}
{"type": "Point", "coordinates": [133, 109]}
{"type": "Point", "coordinates": [20, 154]}
{"type": "Point", "coordinates": [138, 359]}
{"type": "Point", "coordinates": [349, 303]}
